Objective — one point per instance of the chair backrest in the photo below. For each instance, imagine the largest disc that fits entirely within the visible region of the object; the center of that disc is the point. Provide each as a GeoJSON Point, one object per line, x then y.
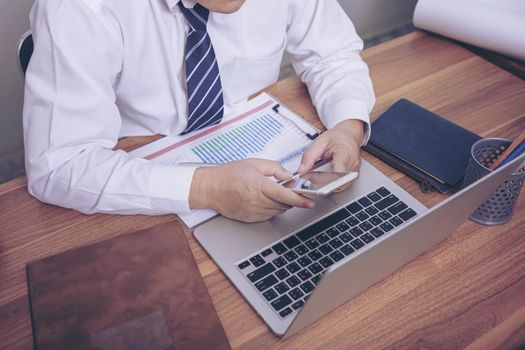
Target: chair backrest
{"type": "Point", "coordinates": [25, 50]}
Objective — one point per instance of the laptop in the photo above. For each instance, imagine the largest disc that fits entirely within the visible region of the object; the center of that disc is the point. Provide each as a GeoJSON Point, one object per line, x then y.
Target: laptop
{"type": "Point", "coordinates": [303, 264]}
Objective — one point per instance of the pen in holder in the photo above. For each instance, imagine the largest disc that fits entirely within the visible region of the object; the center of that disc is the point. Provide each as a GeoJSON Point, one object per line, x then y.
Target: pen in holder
{"type": "Point", "coordinates": [498, 208]}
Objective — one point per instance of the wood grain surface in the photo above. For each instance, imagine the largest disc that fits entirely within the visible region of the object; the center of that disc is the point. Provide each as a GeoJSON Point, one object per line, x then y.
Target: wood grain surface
{"type": "Point", "coordinates": [468, 291]}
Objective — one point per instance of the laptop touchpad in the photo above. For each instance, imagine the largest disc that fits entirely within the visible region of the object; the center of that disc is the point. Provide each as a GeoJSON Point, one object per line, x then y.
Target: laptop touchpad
{"type": "Point", "coordinates": [299, 217]}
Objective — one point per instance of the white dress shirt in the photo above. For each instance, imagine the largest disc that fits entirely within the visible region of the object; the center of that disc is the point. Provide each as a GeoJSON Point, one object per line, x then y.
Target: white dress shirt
{"type": "Point", "coordinates": [105, 69]}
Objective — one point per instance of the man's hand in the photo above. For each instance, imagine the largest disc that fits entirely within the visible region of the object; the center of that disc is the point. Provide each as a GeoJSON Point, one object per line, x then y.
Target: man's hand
{"type": "Point", "coordinates": [340, 144]}
{"type": "Point", "coordinates": [242, 191]}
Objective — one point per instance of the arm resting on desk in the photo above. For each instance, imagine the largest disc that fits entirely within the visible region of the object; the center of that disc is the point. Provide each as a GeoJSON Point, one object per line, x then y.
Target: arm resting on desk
{"type": "Point", "coordinates": [71, 122]}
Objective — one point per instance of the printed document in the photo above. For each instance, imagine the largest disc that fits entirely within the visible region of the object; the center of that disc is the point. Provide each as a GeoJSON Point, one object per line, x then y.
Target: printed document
{"type": "Point", "coordinates": [256, 129]}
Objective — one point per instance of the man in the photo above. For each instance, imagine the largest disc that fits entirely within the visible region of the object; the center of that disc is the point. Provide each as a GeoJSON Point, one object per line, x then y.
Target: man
{"type": "Point", "coordinates": [104, 69]}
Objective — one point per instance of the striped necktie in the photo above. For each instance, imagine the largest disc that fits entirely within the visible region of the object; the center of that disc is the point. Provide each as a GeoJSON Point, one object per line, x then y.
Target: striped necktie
{"type": "Point", "coordinates": [205, 100]}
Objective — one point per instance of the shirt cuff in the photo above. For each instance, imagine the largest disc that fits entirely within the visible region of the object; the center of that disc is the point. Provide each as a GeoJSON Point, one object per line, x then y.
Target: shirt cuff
{"type": "Point", "coordinates": [348, 110]}
{"type": "Point", "coordinates": [170, 188]}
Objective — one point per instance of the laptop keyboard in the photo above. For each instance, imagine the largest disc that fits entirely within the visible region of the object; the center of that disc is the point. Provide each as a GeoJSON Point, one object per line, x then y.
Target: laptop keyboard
{"type": "Point", "coordinates": [286, 272]}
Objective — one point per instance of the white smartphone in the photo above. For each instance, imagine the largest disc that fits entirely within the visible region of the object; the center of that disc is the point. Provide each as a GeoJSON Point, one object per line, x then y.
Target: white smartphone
{"type": "Point", "coordinates": [320, 183]}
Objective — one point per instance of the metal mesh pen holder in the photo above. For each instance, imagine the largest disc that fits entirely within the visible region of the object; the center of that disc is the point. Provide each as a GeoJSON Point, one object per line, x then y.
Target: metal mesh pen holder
{"type": "Point", "coordinates": [498, 208]}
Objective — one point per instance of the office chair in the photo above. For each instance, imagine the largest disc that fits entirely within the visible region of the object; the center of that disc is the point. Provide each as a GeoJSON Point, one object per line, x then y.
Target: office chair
{"type": "Point", "coordinates": [24, 52]}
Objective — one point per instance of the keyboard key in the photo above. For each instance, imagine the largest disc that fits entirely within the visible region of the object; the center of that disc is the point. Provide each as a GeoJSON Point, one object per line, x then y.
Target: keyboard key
{"type": "Point", "coordinates": [261, 272]}
{"type": "Point", "coordinates": [371, 211]}
{"type": "Point", "coordinates": [293, 281]}
{"type": "Point", "coordinates": [346, 237]}
{"type": "Point", "coordinates": [385, 215]}
{"type": "Point", "coordinates": [332, 232]}
{"type": "Point", "coordinates": [291, 242]}
{"type": "Point", "coordinates": [244, 264]}
{"type": "Point", "coordinates": [304, 274]}
{"type": "Point", "coordinates": [386, 202]}
{"type": "Point", "coordinates": [362, 216]}
{"type": "Point", "coordinates": [307, 233]}
{"type": "Point", "coordinates": [282, 274]}
{"type": "Point", "coordinates": [386, 227]}
{"type": "Point", "coordinates": [301, 250]}
{"type": "Point", "coordinates": [266, 252]}
{"type": "Point", "coordinates": [323, 238]}
{"type": "Point", "coordinates": [354, 207]}
{"type": "Point", "coordinates": [312, 244]}
{"type": "Point", "coordinates": [374, 197]}
{"type": "Point", "coordinates": [280, 262]}
{"type": "Point", "coordinates": [375, 220]}
{"type": "Point", "coordinates": [397, 208]}
{"type": "Point", "coordinates": [281, 302]}
{"type": "Point", "coordinates": [323, 224]}
{"type": "Point", "coordinates": [377, 232]}
{"type": "Point", "coordinates": [296, 294]}
{"type": "Point", "coordinates": [304, 261]}
{"type": "Point", "coordinates": [315, 268]}
{"type": "Point", "coordinates": [325, 249]}
{"type": "Point", "coordinates": [367, 238]}
{"type": "Point", "coordinates": [342, 226]}
{"type": "Point", "coordinates": [365, 202]}
{"type": "Point", "coordinates": [298, 304]}
{"type": "Point", "coordinates": [266, 283]}
{"type": "Point", "coordinates": [282, 288]}
{"type": "Point", "coordinates": [337, 255]}
{"type": "Point", "coordinates": [326, 262]}
{"type": "Point", "coordinates": [293, 267]}
{"type": "Point", "coordinates": [285, 312]}
{"type": "Point", "coordinates": [356, 232]}
{"type": "Point", "coordinates": [315, 280]}
{"type": "Point", "coordinates": [352, 221]}
{"type": "Point", "coordinates": [407, 214]}
{"type": "Point", "coordinates": [336, 243]}
{"type": "Point", "coordinates": [290, 255]}
{"type": "Point", "coordinates": [257, 261]}
{"type": "Point", "coordinates": [357, 244]}
{"type": "Point", "coordinates": [383, 192]}
{"type": "Point", "coordinates": [315, 255]}
{"type": "Point", "coordinates": [307, 287]}
{"type": "Point", "coordinates": [270, 294]}
{"type": "Point", "coordinates": [347, 250]}
{"type": "Point", "coordinates": [396, 221]}
{"type": "Point", "coordinates": [279, 248]}
{"type": "Point", "coordinates": [365, 226]}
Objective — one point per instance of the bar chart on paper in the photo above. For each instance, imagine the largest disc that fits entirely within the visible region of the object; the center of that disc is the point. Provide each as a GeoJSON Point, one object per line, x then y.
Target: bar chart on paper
{"type": "Point", "coordinates": [240, 142]}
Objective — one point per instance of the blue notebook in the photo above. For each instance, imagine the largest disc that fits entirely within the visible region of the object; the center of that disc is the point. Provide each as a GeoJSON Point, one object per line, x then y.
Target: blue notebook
{"type": "Point", "coordinates": [428, 148]}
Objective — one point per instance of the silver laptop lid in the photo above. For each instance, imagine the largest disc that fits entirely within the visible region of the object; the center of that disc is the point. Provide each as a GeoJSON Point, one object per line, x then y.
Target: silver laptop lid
{"type": "Point", "coordinates": [351, 276]}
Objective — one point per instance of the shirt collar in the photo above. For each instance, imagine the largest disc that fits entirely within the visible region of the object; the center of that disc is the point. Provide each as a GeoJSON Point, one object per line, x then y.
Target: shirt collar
{"type": "Point", "coordinates": [186, 3]}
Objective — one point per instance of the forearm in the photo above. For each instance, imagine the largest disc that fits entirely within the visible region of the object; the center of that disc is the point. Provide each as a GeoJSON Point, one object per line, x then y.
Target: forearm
{"type": "Point", "coordinates": [354, 128]}
{"type": "Point", "coordinates": [198, 197]}
{"type": "Point", "coordinates": [342, 93]}
{"type": "Point", "coordinates": [337, 78]}
{"type": "Point", "coordinates": [99, 180]}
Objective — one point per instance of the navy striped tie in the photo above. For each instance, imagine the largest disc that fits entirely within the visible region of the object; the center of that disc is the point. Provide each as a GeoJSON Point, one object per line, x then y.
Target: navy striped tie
{"type": "Point", "coordinates": [205, 100]}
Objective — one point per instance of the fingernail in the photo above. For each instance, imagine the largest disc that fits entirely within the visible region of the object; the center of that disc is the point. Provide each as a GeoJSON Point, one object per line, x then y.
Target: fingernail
{"type": "Point", "coordinates": [310, 205]}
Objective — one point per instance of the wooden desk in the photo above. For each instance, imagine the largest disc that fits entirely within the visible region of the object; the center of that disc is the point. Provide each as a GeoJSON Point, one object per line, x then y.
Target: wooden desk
{"type": "Point", "coordinates": [511, 65]}
{"type": "Point", "coordinates": [467, 291]}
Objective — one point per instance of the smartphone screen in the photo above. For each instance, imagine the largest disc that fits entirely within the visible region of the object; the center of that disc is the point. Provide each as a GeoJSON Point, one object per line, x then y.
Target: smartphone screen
{"type": "Point", "coordinates": [313, 180]}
